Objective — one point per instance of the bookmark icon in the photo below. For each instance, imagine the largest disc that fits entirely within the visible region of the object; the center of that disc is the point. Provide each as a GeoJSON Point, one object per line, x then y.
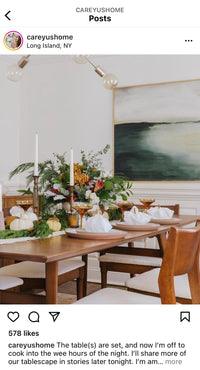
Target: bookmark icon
{"type": "Point", "coordinates": [185, 315]}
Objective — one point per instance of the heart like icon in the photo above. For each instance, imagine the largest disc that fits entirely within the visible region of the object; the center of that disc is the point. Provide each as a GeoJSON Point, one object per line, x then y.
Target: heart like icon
{"type": "Point", "coordinates": [13, 316]}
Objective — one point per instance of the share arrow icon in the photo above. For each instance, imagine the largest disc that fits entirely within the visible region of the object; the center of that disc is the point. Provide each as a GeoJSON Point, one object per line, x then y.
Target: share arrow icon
{"type": "Point", "coordinates": [54, 315]}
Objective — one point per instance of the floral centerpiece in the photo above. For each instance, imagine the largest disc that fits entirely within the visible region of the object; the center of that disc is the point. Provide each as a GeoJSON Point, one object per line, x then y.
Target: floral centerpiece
{"type": "Point", "coordinates": [91, 183]}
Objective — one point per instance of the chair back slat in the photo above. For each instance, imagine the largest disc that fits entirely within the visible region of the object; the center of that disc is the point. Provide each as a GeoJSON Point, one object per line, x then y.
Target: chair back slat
{"type": "Point", "coordinates": [187, 246]}
{"type": "Point", "coordinates": [194, 280]}
{"type": "Point", "coordinates": [181, 256]}
{"type": "Point", "coordinates": [174, 207]}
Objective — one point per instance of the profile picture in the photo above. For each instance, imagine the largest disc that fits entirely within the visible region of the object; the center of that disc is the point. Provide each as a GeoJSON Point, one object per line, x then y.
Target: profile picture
{"type": "Point", "coordinates": [13, 40]}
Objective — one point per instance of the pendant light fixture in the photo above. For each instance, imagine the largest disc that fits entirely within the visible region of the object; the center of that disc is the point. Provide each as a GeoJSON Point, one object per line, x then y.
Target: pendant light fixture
{"type": "Point", "coordinates": [109, 79]}
{"type": "Point", "coordinates": [15, 71]}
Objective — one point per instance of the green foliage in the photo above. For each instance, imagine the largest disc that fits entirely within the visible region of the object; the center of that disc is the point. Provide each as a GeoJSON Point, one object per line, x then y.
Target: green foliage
{"type": "Point", "coordinates": [55, 174]}
{"type": "Point", "coordinates": [93, 173]}
{"type": "Point", "coordinates": [25, 192]}
{"type": "Point", "coordinates": [124, 197]}
{"type": "Point", "coordinates": [48, 170]}
{"type": "Point", "coordinates": [80, 192]}
{"type": "Point", "coordinates": [62, 216]}
{"type": "Point", "coordinates": [21, 168]}
{"type": "Point", "coordinates": [113, 187]}
{"type": "Point", "coordinates": [104, 195]}
{"type": "Point", "coordinates": [9, 234]}
{"type": "Point", "coordinates": [41, 229]}
{"type": "Point", "coordinates": [114, 214]}
{"type": "Point", "coordinates": [93, 160]}
{"type": "Point", "coordinates": [108, 185]}
{"type": "Point", "coordinates": [45, 206]}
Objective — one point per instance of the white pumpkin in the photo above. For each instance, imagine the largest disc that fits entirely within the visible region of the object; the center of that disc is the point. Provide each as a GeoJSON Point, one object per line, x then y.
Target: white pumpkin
{"type": "Point", "coordinates": [21, 224]}
{"type": "Point", "coordinates": [30, 216]}
{"type": "Point", "coordinates": [53, 224]}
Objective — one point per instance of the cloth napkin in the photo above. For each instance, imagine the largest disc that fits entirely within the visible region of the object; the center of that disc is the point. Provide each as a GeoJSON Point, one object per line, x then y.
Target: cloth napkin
{"type": "Point", "coordinates": [138, 218]}
{"type": "Point", "coordinates": [97, 224]}
{"type": "Point", "coordinates": [134, 209]}
{"type": "Point", "coordinates": [18, 211]}
{"type": "Point", "coordinates": [160, 212]}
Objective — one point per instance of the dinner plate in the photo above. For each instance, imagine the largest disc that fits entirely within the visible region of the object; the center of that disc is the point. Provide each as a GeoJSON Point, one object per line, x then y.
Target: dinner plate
{"type": "Point", "coordinates": [146, 227]}
{"type": "Point", "coordinates": [166, 221]}
{"type": "Point", "coordinates": [82, 234]}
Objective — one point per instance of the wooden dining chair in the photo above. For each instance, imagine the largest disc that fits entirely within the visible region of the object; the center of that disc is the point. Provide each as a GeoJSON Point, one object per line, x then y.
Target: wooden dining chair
{"type": "Point", "coordinates": [132, 260]}
{"type": "Point", "coordinates": [33, 274]}
{"type": "Point", "coordinates": [181, 256]}
{"type": "Point", "coordinates": [179, 276]}
{"type": "Point", "coordinates": [7, 283]}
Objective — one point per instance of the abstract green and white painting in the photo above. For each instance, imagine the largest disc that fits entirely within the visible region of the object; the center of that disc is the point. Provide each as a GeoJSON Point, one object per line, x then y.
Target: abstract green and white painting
{"type": "Point", "coordinates": [157, 131]}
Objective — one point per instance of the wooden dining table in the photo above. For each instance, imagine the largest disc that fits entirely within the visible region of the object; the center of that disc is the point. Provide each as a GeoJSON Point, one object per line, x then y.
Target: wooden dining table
{"type": "Point", "coordinates": [52, 250]}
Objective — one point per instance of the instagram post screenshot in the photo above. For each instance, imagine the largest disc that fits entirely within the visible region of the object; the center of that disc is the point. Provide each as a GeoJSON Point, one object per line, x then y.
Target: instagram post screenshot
{"type": "Point", "coordinates": [99, 185]}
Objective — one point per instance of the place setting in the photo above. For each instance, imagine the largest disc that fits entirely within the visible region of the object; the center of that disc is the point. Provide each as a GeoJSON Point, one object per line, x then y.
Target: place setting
{"type": "Point", "coordinates": [132, 219]}
{"type": "Point", "coordinates": [162, 215]}
{"type": "Point", "coordinates": [96, 227]}
{"type": "Point", "coordinates": [149, 218]}
{"type": "Point", "coordinates": [135, 220]}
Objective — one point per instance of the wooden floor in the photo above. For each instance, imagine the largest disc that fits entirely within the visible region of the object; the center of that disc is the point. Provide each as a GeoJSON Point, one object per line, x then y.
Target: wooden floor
{"type": "Point", "coordinates": [70, 288]}
{"type": "Point", "coordinates": [67, 291]}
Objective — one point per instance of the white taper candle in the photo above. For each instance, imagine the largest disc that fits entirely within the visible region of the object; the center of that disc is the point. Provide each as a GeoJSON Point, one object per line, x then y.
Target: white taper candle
{"type": "Point", "coordinates": [36, 173]}
{"type": "Point", "coordinates": [71, 168]}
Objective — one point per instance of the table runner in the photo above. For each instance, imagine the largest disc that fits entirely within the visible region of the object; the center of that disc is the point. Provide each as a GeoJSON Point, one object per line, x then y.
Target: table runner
{"type": "Point", "coordinates": [15, 240]}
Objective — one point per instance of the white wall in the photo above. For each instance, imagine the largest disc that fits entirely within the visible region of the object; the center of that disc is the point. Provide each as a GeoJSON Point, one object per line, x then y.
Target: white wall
{"type": "Point", "coordinates": [67, 105]}
{"type": "Point", "coordinates": [10, 109]}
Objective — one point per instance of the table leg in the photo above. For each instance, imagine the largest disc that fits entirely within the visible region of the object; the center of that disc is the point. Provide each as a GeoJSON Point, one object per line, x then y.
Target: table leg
{"type": "Point", "coordinates": [85, 259]}
{"type": "Point", "coordinates": [51, 282]}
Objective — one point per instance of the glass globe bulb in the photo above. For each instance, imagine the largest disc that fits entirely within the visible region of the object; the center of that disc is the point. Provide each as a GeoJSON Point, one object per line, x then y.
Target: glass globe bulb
{"type": "Point", "coordinates": [109, 81]}
{"type": "Point", "coordinates": [14, 73]}
{"type": "Point", "coordinates": [80, 59]}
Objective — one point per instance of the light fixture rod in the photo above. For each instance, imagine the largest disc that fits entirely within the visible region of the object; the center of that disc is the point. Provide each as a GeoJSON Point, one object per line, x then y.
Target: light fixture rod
{"type": "Point", "coordinates": [97, 69]}
{"type": "Point", "coordinates": [90, 61]}
{"type": "Point", "coordinates": [23, 61]}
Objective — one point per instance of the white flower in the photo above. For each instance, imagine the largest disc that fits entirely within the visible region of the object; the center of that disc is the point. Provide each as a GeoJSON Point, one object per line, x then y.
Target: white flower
{"type": "Point", "coordinates": [105, 174]}
{"type": "Point", "coordinates": [59, 197]}
{"type": "Point", "coordinates": [56, 186]}
{"type": "Point", "coordinates": [52, 209]}
{"type": "Point", "coordinates": [87, 194]}
{"type": "Point", "coordinates": [49, 193]}
{"type": "Point", "coordinates": [66, 206]}
{"type": "Point", "coordinates": [93, 198]}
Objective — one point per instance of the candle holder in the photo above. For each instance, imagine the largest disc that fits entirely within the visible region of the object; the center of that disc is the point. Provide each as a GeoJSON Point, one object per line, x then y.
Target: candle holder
{"type": "Point", "coordinates": [73, 219]}
{"type": "Point", "coordinates": [36, 195]}
{"type": "Point", "coordinates": [71, 192]}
